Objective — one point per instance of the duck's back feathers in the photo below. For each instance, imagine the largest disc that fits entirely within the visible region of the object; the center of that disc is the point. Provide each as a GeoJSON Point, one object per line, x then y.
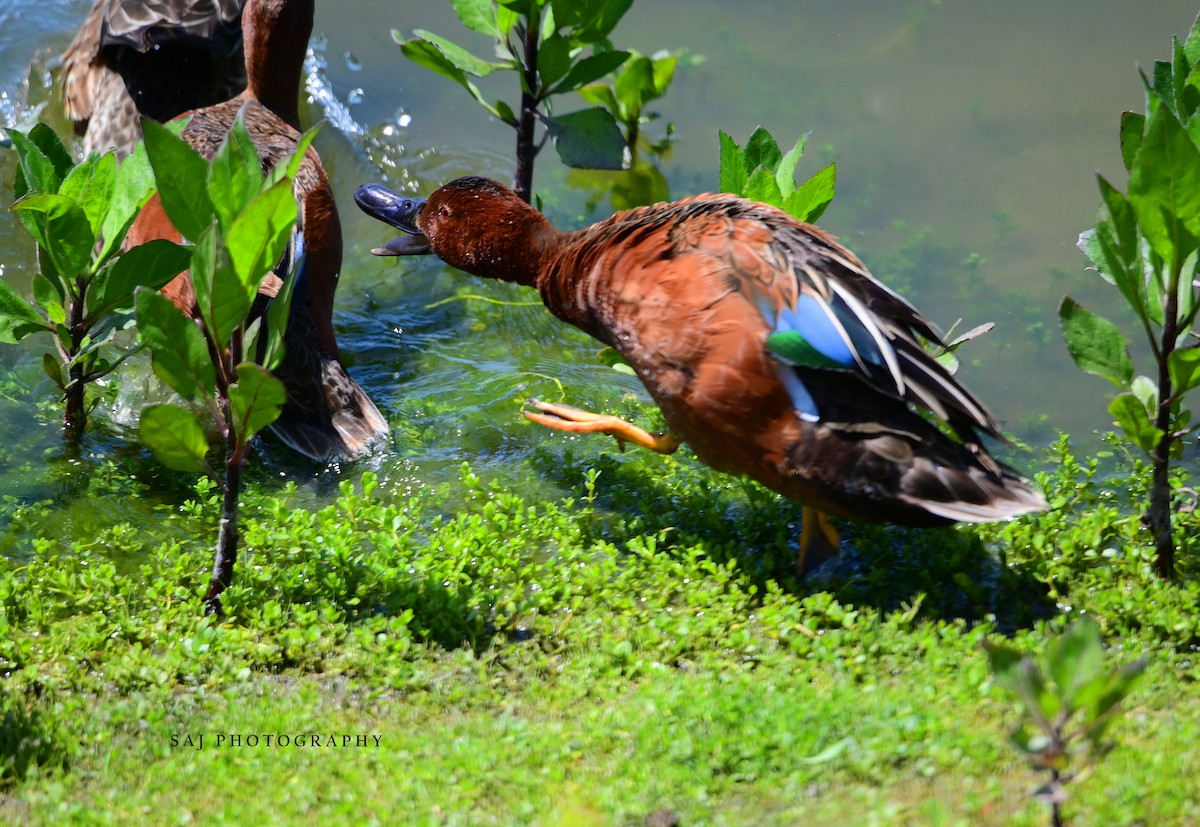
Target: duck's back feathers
{"type": "Point", "coordinates": [157, 59]}
{"type": "Point", "coordinates": [773, 352]}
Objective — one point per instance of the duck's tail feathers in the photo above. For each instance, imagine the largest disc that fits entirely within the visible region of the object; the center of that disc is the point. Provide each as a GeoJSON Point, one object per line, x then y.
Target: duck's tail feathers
{"type": "Point", "coordinates": [973, 494]}
{"type": "Point", "coordinates": [327, 415]}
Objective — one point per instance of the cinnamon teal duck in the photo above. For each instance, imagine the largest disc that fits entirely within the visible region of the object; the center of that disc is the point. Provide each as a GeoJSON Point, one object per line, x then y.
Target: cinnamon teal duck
{"type": "Point", "coordinates": [157, 58]}
{"type": "Point", "coordinates": [327, 414]}
{"type": "Point", "coordinates": [770, 349]}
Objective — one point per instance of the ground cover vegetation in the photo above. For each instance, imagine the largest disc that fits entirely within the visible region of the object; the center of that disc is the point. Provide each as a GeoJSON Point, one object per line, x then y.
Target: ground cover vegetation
{"type": "Point", "coordinates": [589, 637]}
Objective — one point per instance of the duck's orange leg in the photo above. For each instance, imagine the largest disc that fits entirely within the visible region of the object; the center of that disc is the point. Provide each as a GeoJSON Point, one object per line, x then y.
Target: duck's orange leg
{"type": "Point", "coordinates": [577, 421]}
{"type": "Point", "coordinates": [818, 540]}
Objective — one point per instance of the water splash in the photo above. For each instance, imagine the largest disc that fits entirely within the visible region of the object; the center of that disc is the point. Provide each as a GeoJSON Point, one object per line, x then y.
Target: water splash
{"type": "Point", "coordinates": [320, 90]}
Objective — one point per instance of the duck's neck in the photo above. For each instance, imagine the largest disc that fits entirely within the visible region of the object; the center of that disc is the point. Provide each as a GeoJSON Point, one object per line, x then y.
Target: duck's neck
{"type": "Point", "coordinates": [520, 250]}
{"type": "Point", "coordinates": [275, 35]}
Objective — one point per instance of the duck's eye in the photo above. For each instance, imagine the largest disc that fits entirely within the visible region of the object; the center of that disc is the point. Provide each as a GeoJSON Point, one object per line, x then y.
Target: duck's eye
{"type": "Point", "coordinates": [444, 211]}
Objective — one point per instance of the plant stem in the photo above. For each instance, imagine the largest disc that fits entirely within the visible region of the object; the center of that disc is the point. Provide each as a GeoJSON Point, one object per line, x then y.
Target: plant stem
{"type": "Point", "coordinates": [1158, 516]}
{"type": "Point", "coordinates": [527, 120]}
{"type": "Point", "coordinates": [75, 414]}
{"type": "Point", "coordinates": [1056, 815]}
{"type": "Point", "coordinates": [227, 536]}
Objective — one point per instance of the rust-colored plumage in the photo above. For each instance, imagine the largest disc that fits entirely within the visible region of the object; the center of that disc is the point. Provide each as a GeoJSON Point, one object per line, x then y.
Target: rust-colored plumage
{"type": "Point", "coordinates": [769, 348]}
{"type": "Point", "coordinates": [156, 58]}
{"type": "Point", "coordinates": [327, 413]}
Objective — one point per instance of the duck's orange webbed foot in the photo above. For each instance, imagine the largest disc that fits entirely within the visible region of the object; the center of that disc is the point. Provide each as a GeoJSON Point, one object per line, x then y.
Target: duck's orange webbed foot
{"type": "Point", "coordinates": [819, 541]}
{"type": "Point", "coordinates": [578, 421]}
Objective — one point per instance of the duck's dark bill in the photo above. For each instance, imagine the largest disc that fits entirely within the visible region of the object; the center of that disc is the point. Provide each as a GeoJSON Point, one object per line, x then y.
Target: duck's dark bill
{"type": "Point", "coordinates": [405, 245]}
{"type": "Point", "coordinates": [400, 212]}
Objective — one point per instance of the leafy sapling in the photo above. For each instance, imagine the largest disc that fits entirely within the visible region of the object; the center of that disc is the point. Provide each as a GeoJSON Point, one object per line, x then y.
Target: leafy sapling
{"type": "Point", "coordinates": [555, 47]}
{"type": "Point", "coordinates": [240, 222]}
{"type": "Point", "coordinates": [1146, 243]}
{"type": "Point", "coordinates": [761, 172]}
{"type": "Point", "coordinates": [79, 215]}
{"type": "Point", "coordinates": [1068, 706]}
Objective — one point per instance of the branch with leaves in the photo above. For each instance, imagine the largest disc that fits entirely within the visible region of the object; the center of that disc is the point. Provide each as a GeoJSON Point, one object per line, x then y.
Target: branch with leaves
{"type": "Point", "coordinates": [1146, 243]}
{"type": "Point", "coordinates": [555, 47]}
{"type": "Point", "coordinates": [1068, 707]}
{"type": "Point", "coordinates": [240, 222]}
{"type": "Point", "coordinates": [79, 215]}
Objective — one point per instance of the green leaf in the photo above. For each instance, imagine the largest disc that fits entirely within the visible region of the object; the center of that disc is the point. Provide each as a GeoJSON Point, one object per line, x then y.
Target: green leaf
{"type": "Point", "coordinates": [1120, 682]}
{"type": "Point", "coordinates": [811, 198]}
{"type": "Point", "coordinates": [1074, 658]}
{"type": "Point", "coordinates": [478, 16]}
{"type": "Point", "coordinates": [1164, 188]}
{"type": "Point", "coordinates": [90, 185]}
{"type": "Point", "coordinates": [179, 353]}
{"type": "Point", "coordinates": [62, 229]}
{"type": "Point", "coordinates": [456, 56]}
{"type": "Point", "coordinates": [235, 175]}
{"type": "Point", "coordinates": [762, 151]}
{"type": "Point", "coordinates": [632, 86]}
{"type": "Point", "coordinates": [46, 291]}
{"type": "Point", "coordinates": [1162, 83]}
{"type": "Point", "coordinates": [222, 298]}
{"type": "Point", "coordinates": [1095, 343]}
{"type": "Point", "coordinates": [133, 187]}
{"type": "Point", "coordinates": [609, 356]}
{"type": "Point", "coordinates": [1145, 391]}
{"type": "Point", "coordinates": [53, 369]}
{"type": "Point", "coordinates": [588, 139]}
{"type": "Point", "coordinates": [426, 54]}
{"type": "Point", "coordinates": [1130, 414]}
{"type": "Point", "coordinates": [17, 317]}
{"type": "Point", "coordinates": [255, 400]}
{"type": "Point", "coordinates": [178, 170]}
{"type": "Point", "coordinates": [152, 265]}
{"type": "Point", "coordinates": [643, 184]}
{"type": "Point", "coordinates": [553, 59]}
{"type": "Point", "coordinates": [1184, 368]}
{"type": "Point", "coordinates": [257, 239]}
{"type": "Point", "coordinates": [761, 186]}
{"type": "Point", "coordinates": [43, 161]}
{"type": "Point", "coordinates": [785, 173]}
{"type": "Point", "coordinates": [592, 20]}
{"type": "Point", "coordinates": [1133, 127]}
{"type": "Point", "coordinates": [175, 437]}
{"type": "Point", "coordinates": [733, 165]}
{"type": "Point", "coordinates": [601, 94]}
{"type": "Point", "coordinates": [590, 69]}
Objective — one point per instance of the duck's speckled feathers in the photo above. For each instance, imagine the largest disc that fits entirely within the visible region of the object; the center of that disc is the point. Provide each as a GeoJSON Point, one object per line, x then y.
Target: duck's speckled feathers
{"type": "Point", "coordinates": [157, 59]}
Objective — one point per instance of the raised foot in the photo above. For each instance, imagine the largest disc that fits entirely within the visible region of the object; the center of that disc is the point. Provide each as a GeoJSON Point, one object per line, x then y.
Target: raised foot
{"type": "Point", "coordinates": [578, 421]}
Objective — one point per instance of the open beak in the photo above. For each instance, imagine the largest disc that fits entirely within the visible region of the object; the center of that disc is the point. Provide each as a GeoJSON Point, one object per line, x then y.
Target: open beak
{"type": "Point", "coordinates": [399, 211]}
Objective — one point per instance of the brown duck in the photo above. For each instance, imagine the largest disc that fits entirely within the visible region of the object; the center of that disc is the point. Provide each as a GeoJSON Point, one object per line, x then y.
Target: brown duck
{"type": "Point", "coordinates": [157, 59]}
{"type": "Point", "coordinates": [769, 347]}
{"type": "Point", "coordinates": [327, 414]}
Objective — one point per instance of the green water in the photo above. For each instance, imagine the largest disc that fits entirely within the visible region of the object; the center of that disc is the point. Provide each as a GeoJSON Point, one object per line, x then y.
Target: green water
{"type": "Point", "coordinates": [967, 135]}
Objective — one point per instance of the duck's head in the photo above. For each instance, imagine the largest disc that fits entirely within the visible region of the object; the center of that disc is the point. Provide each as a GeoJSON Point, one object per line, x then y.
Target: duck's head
{"type": "Point", "coordinates": [472, 223]}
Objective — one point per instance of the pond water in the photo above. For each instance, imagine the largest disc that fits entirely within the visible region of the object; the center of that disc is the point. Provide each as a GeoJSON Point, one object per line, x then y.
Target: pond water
{"type": "Point", "coordinates": [967, 134]}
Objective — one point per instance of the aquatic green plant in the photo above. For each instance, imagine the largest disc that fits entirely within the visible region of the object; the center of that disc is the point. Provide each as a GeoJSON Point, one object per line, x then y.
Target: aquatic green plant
{"type": "Point", "coordinates": [556, 47]}
{"type": "Point", "coordinates": [240, 223]}
{"type": "Point", "coordinates": [1066, 717]}
{"type": "Point", "coordinates": [1146, 243]}
{"type": "Point", "coordinates": [760, 172]}
{"type": "Point", "coordinates": [79, 215]}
